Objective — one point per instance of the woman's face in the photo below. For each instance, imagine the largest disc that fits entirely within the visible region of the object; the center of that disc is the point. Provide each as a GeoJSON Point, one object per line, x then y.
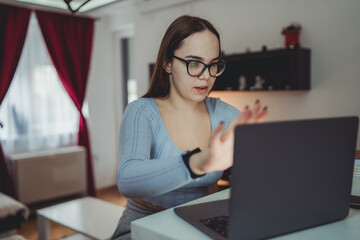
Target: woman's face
{"type": "Point", "coordinates": [201, 46]}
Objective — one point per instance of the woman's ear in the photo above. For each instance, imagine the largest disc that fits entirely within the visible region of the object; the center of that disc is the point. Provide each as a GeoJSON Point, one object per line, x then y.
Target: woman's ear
{"type": "Point", "coordinates": [167, 67]}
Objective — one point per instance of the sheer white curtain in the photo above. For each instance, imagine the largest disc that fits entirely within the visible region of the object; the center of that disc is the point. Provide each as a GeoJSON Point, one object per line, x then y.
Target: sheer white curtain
{"type": "Point", "coordinates": [37, 113]}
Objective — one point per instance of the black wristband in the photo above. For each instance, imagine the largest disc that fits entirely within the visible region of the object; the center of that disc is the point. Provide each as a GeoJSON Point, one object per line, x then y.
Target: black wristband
{"type": "Point", "coordinates": [186, 158]}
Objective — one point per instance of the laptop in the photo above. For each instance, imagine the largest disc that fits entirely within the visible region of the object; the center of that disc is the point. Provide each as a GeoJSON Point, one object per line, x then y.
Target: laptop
{"type": "Point", "coordinates": [355, 192]}
{"type": "Point", "coordinates": [287, 176]}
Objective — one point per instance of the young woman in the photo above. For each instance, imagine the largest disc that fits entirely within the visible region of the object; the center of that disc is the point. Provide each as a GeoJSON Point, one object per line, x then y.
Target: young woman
{"type": "Point", "coordinates": [173, 142]}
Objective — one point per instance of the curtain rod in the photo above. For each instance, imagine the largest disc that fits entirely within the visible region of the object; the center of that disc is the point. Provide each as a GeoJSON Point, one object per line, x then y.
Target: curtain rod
{"type": "Point", "coordinates": [34, 7]}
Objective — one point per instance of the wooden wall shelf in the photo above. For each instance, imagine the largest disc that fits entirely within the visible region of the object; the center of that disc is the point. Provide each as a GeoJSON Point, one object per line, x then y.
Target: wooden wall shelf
{"type": "Point", "coordinates": [278, 69]}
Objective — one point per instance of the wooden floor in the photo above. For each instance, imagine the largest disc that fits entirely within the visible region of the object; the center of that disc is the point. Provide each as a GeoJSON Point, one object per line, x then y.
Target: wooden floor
{"type": "Point", "coordinates": [29, 229]}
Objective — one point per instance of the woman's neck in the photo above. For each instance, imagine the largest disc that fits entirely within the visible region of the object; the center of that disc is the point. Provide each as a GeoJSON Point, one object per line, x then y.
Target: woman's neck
{"type": "Point", "coordinates": [179, 104]}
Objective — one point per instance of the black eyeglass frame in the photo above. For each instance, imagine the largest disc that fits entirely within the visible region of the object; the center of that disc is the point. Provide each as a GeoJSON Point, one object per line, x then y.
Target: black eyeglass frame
{"type": "Point", "coordinates": [207, 66]}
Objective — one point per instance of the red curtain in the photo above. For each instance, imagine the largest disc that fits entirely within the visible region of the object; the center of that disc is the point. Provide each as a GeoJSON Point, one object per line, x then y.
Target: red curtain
{"type": "Point", "coordinates": [14, 22]}
{"type": "Point", "coordinates": [69, 42]}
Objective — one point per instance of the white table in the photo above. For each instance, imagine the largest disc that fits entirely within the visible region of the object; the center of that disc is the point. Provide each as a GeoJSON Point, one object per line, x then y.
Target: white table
{"type": "Point", "coordinates": [167, 225]}
{"type": "Point", "coordinates": [91, 217]}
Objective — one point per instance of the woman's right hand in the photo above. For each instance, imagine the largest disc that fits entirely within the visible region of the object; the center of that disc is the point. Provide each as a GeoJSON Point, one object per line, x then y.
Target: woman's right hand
{"type": "Point", "coordinates": [219, 155]}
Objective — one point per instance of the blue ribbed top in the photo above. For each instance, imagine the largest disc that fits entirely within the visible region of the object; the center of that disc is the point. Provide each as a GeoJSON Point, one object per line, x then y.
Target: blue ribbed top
{"type": "Point", "coordinates": [151, 165]}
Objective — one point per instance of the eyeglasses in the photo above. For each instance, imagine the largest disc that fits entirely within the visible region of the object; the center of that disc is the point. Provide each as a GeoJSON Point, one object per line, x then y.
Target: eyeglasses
{"type": "Point", "coordinates": [197, 68]}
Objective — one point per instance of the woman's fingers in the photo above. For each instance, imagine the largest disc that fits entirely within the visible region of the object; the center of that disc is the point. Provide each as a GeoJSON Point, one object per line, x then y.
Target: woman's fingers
{"type": "Point", "coordinates": [255, 115]}
{"type": "Point", "coordinates": [217, 132]}
{"type": "Point", "coordinates": [240, 119]}
{"type": "Point", "coordinates": [245, 116]}
{"type": "Point", "coordinates": [261, 115]}
{"type": "Point", "coordinates": [257, 107]}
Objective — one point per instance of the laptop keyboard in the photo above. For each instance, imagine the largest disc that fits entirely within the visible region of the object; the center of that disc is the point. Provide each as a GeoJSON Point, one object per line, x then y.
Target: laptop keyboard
{"type": "Point", "coordinates": [218, 224]}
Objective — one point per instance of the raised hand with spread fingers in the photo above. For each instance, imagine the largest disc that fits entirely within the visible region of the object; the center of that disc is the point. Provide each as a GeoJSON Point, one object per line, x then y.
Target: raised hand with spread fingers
{"type": "Point", "coordinates": [219, 155]}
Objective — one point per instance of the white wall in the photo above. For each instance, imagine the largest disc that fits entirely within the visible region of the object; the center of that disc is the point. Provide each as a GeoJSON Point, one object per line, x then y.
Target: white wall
{"type": "Point", "coordinates": [330, 30]}
{"type": "Point", "coordinates": [101, 97]}
{"type": "Point", "coordinates": [104, 89]}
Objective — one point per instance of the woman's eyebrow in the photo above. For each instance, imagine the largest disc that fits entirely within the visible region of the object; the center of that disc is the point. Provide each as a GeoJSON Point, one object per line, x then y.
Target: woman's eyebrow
{"type": "Point", "coordinates": [200, 58]}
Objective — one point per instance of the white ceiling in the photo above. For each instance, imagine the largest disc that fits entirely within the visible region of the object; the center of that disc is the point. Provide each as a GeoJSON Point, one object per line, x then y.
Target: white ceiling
{"type": "Point", "coordinates": [60, 4]}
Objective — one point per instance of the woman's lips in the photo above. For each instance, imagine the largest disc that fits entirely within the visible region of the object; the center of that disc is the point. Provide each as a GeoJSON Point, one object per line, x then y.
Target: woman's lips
{"type": "Point", "coordinates": [201, 89]}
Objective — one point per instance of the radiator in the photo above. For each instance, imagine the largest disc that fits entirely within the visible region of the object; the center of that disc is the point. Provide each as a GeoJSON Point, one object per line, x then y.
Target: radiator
{"type": "Point", "coordinates": [43, 176]}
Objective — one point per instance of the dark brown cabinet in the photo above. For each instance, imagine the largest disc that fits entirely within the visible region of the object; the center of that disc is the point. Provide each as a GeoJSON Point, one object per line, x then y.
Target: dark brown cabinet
{"type": "Point", "coordinates": [268, 70]}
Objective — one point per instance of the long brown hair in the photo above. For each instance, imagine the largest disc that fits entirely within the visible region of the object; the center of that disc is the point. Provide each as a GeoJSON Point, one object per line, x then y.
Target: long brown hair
{"type": "Point", "coordinates": [178, 30]}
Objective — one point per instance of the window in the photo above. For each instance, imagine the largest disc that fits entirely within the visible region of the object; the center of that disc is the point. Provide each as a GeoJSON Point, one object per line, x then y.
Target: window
{"type": "Point", "coordinates": [37, 112]}
{"type": "Point", "coordinates": [128, 73]}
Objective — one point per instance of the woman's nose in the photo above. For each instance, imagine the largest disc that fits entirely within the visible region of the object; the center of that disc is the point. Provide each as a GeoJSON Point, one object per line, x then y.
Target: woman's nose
{"type": "Point", "coordinates": [205, 75]}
